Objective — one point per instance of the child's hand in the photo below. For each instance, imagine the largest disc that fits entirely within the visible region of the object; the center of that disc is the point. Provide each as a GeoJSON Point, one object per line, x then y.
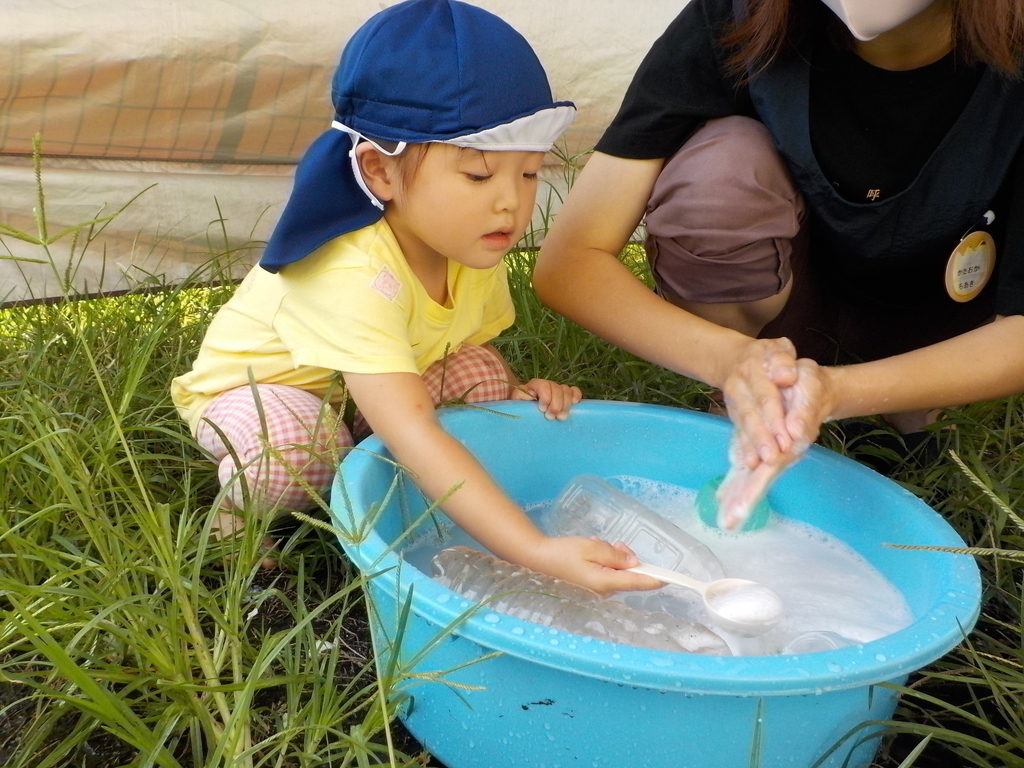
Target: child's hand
{"type": "Point", "coordinates": [591, 563]}
{"type": "Point", "coordinates": [554, 400]}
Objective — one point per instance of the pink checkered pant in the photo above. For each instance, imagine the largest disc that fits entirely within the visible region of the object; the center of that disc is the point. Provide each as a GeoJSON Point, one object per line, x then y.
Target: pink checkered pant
{"type": "Point", "coordinates": [305, 438]}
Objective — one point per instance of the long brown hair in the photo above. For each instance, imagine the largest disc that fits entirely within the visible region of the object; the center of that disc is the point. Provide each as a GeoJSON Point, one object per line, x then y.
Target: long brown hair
{"type": "Point", "coordinates": [984, 31]}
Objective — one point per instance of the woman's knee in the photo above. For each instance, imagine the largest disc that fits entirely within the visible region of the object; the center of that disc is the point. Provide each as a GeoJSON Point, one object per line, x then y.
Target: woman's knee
{"type": "Point", "coordinates": [730, 163]}
{"type": "Point", "coordinates": [723, 216]}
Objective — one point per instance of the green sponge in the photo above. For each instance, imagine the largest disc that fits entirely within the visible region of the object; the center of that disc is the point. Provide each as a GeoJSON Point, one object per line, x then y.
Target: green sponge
{"type": "Point", "coordinates": [707, 508]}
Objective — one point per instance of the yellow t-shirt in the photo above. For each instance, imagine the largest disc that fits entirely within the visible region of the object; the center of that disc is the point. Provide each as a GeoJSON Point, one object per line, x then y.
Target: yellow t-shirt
{"type": "Point", "coordinates": [353, 305]}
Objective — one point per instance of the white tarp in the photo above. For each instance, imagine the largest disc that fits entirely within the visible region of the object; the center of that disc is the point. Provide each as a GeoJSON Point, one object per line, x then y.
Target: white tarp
{"type": "Point", "coordinates": [213, 102]}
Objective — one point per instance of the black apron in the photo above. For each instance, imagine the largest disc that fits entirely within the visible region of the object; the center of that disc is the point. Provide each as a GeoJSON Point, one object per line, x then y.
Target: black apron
{"type": "Point", "coordinates": [871, 282]}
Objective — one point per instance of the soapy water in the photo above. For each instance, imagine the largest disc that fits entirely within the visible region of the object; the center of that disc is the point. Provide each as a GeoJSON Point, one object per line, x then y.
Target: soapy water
{"type": "Point", "coordinates": [824, 584]}
{"type": "Point", "coordinates": [832, 596]}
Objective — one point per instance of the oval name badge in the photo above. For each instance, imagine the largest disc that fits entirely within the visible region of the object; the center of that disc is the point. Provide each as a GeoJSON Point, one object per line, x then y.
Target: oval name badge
{"type": "Point", "coordinates": [970, 266]}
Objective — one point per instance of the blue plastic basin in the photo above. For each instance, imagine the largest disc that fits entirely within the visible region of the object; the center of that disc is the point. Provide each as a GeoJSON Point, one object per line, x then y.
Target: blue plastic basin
{"type": "Point", "coordinates": [552, 699]}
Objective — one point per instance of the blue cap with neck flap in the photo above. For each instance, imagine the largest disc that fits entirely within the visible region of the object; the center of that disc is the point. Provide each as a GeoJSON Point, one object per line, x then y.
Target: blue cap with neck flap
{"type": "Point", "coordinates": [420, 71]}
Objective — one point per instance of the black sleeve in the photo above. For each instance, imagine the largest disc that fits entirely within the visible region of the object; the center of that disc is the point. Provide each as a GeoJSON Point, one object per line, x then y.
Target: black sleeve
{"type": "Point", "coordinates": [1010, 295]}
{"type": "Point", "coordinates": [680, 84]}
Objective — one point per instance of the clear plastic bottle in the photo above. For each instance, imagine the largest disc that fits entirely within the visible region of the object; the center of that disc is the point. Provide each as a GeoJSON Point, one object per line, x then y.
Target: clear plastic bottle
{"type": "Point", "coordinates": [815, 641]}
{"type": "Point", "coordinates": [550, 602]}
{"type": "Point", "coordinates": [590, 506]}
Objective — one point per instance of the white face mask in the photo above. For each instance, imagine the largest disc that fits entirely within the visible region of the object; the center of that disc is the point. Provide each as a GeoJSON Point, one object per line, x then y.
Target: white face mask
{"type": "Point", "coordinates": [867, 19]}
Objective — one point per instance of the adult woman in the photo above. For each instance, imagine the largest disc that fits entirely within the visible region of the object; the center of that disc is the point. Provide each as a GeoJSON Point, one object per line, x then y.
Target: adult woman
{"type": "Point", "coordinates": [898, 126]}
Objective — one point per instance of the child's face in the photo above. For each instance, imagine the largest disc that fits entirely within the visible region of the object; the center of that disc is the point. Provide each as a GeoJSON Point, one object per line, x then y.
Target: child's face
{"type": "Point", "coordinates": [464, 204]}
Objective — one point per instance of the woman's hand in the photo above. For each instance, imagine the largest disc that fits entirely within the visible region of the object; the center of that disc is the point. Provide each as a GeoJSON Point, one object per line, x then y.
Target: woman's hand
{"type": "Point", "coordinates": [805, 404]}
{"type": "Point", "coordinates": [591, 563]}
{"type": "Point", "coordinates": [753, 391]}
{"type": "Point", "coordinates": [810, 402]}
{"type": "Point", "coordinates": [554, 400]}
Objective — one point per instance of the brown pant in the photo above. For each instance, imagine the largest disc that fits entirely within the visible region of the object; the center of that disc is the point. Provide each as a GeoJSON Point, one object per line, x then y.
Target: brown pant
{"type": "Point", "coordinates": [726, 224]}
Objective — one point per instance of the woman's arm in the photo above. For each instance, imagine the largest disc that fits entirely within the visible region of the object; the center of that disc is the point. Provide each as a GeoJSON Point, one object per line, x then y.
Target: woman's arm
{"type": "Point", "coordinates": [579, 274]}
{"type": "Point", "coordinates": [983, 364]}
{"type": "Point", "coordinates": [398, 408]}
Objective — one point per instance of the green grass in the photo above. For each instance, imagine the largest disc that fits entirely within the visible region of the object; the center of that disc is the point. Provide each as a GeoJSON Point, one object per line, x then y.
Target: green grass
{"type": "Point", "coordinates": [127, 639]}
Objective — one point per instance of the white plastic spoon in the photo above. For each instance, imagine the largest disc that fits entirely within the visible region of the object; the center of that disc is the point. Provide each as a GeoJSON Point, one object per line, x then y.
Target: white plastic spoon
{"type": "Point", "coordinates": [744, 608]}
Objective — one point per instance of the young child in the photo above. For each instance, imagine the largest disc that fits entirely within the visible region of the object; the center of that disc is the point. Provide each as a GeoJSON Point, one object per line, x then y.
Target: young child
{"type": "Point", "coordinates": [387, 267]}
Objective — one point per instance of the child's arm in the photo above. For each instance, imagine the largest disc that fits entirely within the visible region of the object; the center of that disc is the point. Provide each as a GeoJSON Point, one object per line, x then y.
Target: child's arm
{"type": "Point", "coordinates": [398, 408]}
